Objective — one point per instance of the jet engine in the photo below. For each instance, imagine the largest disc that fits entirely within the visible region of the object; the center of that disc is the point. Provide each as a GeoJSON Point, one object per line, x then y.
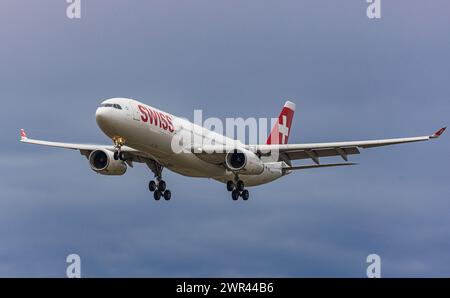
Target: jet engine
{"type": "Point", "coordinates": [103, 162]}
{"type": "Point", "coordinates": [244, 162]}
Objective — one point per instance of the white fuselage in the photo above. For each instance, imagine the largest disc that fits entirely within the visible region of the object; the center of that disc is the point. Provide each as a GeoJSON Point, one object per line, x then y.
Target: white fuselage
{"type": "Point", "coordinates": [152, 131]}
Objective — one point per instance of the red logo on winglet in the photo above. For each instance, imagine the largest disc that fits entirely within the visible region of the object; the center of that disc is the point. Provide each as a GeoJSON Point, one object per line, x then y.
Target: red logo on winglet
{"type": "Point", "coordinates": [23, 134]}
{"type": "Point", "coordinates": [440, 131]}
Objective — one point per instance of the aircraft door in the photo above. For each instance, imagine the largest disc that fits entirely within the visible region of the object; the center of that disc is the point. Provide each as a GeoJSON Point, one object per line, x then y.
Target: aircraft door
{"type": "Point", "coordinates": [134, 111]}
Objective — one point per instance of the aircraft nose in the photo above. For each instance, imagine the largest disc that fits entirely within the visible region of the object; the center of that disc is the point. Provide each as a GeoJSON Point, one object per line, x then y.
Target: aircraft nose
{"type": "Point", "coordinates": [101, 116]}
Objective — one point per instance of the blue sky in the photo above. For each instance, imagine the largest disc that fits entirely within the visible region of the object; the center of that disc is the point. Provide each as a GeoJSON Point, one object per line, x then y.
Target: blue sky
{"type": "Point", "coordinates": [351, 78]}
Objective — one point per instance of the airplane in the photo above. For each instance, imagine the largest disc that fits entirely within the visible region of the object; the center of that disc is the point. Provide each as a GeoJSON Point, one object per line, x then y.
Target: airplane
{"type": "Point", "coordinates": [144, 134]}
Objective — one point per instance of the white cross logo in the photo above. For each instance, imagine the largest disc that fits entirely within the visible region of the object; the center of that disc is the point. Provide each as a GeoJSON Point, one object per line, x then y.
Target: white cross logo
{"type": "Point", "coordinates": [283, 129]}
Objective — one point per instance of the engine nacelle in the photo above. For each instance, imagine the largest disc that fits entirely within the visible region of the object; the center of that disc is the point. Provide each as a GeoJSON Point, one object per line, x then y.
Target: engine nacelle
{"type": "Point", "coordinates": [244, 162]}
{"type": "Point", "coordinates": [103, 162]}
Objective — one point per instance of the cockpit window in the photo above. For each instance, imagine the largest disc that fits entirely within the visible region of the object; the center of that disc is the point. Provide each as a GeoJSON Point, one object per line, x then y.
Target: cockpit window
{"type": "Point", "coordinates": [111, 105]}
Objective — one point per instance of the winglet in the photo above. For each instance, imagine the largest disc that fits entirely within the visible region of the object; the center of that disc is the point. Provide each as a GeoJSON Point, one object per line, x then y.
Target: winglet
{"type": "Point", "coordinates": [23, 135]}
{"type": "Point", "coordinates": [438, 133]}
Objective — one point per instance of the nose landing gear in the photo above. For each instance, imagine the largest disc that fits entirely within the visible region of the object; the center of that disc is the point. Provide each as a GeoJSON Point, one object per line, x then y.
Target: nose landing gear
{"type": "Point", "coordinates": [118, 143]}
{"type": "Point", "coordinates": [237, 189]}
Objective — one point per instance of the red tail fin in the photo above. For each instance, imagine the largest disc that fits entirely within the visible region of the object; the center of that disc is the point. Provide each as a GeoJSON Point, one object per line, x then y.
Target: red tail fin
{"type": "Point", "coordinates": [282, 128]}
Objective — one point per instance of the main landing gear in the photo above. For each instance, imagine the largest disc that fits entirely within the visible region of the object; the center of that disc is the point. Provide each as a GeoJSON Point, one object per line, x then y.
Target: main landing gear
{"type": "Point", "coordinates": [158, 186]}
{"type": "Point", "coordinates": [159, 190]}
{"type": "Point", "coordinates": [118, 143]}
{"type": "Point", "coordinates": [237, 189]}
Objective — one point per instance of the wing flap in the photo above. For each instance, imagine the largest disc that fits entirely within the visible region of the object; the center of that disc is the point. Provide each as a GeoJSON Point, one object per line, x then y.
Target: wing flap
{"type": "Point", "coordinates": [319, 166]}
{"type": "Point", "coordinates": [360, 144]}
{"type": "Point", "coordinates": [321, 152]}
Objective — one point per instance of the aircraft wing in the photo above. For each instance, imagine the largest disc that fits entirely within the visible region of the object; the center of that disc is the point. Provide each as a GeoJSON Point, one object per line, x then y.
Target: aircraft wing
{"type": "Point", "coordinates": [86, 149]}
{"type": "Point", "coordinates": [315, 151]}
{"type": "Point", "coordinates": [216, 153]}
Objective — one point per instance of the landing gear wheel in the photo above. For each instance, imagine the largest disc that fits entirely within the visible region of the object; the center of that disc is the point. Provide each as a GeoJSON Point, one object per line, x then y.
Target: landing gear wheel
{"type": "Point", "coordinates": [235, 195]}
{"type": "Point", "coordinates": [118, 143]}
{"type": "Point", "coordinates": [157, 195]}
{"type": "Point", "coordinates": [152, 186]}
{"type": "Point", "coordinates": [240, 185]}
{"type": "Point", "coordinates": [245, 195]}
{"type": "Point", "coordinates": [162, 185]}
{"type": "Point", "coordinates": [121, 156]}
{"type": "Point", "coordinates": [167, 195]}
{"type": "Point", "coordinates": [230, 185]}
{"type": "Point", "coordinates": [158, 185]}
